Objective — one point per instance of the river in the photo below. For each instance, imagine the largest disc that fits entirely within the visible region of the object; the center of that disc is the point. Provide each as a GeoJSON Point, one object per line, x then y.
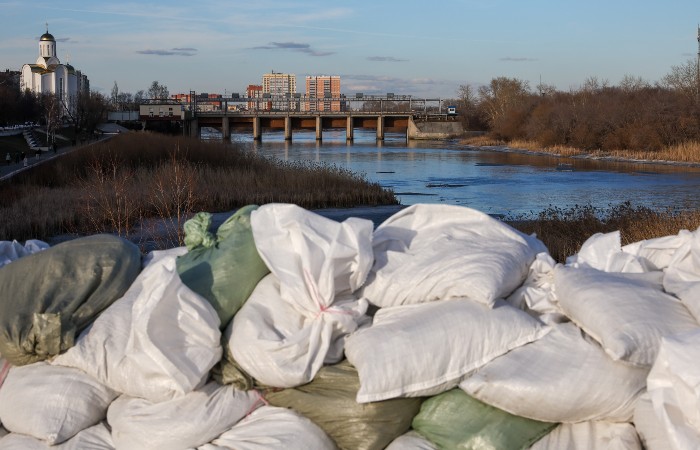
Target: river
{"type": "Point", "coordinates": [496, 182]}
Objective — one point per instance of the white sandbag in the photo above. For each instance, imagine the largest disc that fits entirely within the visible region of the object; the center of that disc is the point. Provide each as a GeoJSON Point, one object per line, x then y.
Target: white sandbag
{"type": "Point", "coordinates": [627, 313]}
{"type": "Point", "coordinates": [96, 437]}
{"type": "Point", "coordinates": [590, 436]}
{"type": "Point", "coordinates": [181, 423]}
{"type": "Point", "coordinates": [313, 257]}
{"type": "Point", "coordinates": [673, 387]}
{"type": "Point", "coordinates": [52, 403]}
{"type": "Point", "coordinates": [297, 317]}
{"type": "Point", "coordinates": [603, 251]}
{"type": "Point", "coordinates": [425, 349]}
{"type": "Point", "coordinates": [682, 276]}
{"type": "Point", "coordinates": [272, 428]}
{"type": "Point", "coordinates": [411, 441]}
{"type": "Point", "coordinates": [157, 342]}
{"type": "Point", "coordinates": [536, 295]}
{"type": "Point", "coordinates": [156, 255]}
{"type": "Point", "coordinates": [649, 427]}
{"type": "Point", "coordinates": [437, 252]}
{"type": "Point", "coordinates": [282, 347]}
{"type": "Point", "coordinates": [13, 250]}
{"type": "Point", "coordinates": [563, 377]}
{"type": "Point", "coordinates": [662, 251]}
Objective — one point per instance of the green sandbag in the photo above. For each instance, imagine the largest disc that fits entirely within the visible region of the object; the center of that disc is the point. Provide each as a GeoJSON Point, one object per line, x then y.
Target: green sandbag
{"type": "Point", "coordinates": [329, 401]}
{"type": "Point", "coordinates": [223, 269]}
{"type": "Point", "coordinates": [50, 296]}
{"type": "Point", "coordinates": [456, 420]}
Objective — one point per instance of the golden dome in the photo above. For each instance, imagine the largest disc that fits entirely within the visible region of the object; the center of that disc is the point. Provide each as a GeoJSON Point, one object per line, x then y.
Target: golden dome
{"type": "Point", "coordinates": [47, 37]}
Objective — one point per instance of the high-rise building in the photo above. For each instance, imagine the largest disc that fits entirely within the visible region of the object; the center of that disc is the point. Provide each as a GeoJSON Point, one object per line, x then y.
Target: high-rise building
{"type": "Point", "coordinates": [280, 87]}
{"type": "Point", "coordinates": [320, 90]}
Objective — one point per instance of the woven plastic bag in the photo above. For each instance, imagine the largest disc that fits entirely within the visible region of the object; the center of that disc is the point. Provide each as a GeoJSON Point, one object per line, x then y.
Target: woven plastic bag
{"type": "Point", "coordinates": [453, 419]}
{"type": "Point", "coordinates": [329, 401]}
{"type": "Point", "coordinates": [224, 269]}
{"type": "Point", "coordinates": [50, 296]}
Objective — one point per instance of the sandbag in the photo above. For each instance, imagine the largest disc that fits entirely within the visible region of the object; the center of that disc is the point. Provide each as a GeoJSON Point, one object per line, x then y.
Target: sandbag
{"type": "Point", "coordinates": [536, 295]}
{"type": "Point", "coordinates": [411, 441]}
{"type": "Point", "coordinates": [438, 252]}
{"type": "Point", "coordinates": [627, 313]}
{"type": "Point", "coordinates": [271, 428]}
{"type": "Point", "coordinates": [329, 401]}
{"type": "Point", "coordinates": [52, 403]}
{"type": "Point", "coordinates": [453, 419]}
{"type": "Point", "coordinates": [603, 251]}
{"type": "Point", "coordinates": [96, 437]}
{"type": "Point", "coordinates": [224, 269]}
{"type": "Point", "coordinates": [13, 250]}
{"type": "Point", "coordinates": [181, 423]}
{"type": "Point", "coordinates": [297, 317]}
{"type": "Point", "coordinates": [425, 349]}
{"type": "Point", "coordinates": [673, 388]}
{"type": "Point", "coordinates": [682, 276]}
{"type": "Point", "coordinates": [563, 377]}
{"type": "Point", "coordinates": [662, 252]}
{"type": "Point", "coordinates": [590, 436]}
{"type": "Point", "coordinates": [650, 428]}
{"type": "Point", "coordinates": [157, 342]}
{"type": "Point", "coordinates": [79, 279]}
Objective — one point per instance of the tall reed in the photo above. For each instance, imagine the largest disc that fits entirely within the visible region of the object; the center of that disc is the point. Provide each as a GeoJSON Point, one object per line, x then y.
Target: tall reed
{"type": "Point", "coordinates": [114, 186]}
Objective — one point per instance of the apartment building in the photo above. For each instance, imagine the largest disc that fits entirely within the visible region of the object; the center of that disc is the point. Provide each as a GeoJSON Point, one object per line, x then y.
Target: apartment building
{"type": "Point", "coordinates": [254, 91]}
{"type": "Point", "coordinates": [279, 87]}
{"type": "Point", "coordinates": [320, 90]}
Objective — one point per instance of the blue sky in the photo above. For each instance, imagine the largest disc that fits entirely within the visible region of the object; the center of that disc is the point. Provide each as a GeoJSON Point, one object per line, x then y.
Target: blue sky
{"type": "Point", "coordinates": [420, 48]}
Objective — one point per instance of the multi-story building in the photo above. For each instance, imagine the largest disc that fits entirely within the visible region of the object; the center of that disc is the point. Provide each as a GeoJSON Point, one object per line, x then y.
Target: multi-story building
{"type": "Point", "coordinates": [280, 88]}
{"type": "Point", "coordinates": [254, 91]}
{"type": "Point", "coordinates": [323, 93]}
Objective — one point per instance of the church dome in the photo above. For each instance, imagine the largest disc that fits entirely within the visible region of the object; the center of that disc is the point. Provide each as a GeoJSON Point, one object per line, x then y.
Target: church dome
{"type": "Point", "coordinates": [47, 37]}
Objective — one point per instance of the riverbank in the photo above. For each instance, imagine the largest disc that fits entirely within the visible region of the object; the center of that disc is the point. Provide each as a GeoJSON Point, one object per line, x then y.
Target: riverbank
{"type": "Point", "coordinates": [687, 155]}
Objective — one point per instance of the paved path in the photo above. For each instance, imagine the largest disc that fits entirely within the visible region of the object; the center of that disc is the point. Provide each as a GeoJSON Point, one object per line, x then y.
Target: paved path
{"type": "Point", "coordinates": [8, 171]}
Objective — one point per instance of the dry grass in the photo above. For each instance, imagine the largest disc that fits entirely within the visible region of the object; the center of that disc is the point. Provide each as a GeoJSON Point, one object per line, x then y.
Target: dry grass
{"type": "Point", "coordinates": [687, 152]}
{"type": "Point", "coordinates": [113, 187]}
{"type": "Point", "coordinates": [564, 230]}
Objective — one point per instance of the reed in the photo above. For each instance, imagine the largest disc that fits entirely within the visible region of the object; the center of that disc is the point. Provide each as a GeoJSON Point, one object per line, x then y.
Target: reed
{"type": "Point", "coordinates": [564, 230]}
{"type": "Point", "coordinates": [116, 186]}
{"type": "Point", "coordinates": [685, 152]}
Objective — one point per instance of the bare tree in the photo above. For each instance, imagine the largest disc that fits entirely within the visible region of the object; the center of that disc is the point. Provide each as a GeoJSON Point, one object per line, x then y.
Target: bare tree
{"type": "Point", "coordinates": [114, 98]}
{"type": "Point", "coordinates": [683, 79]}
{"type": "Point", "coordinates": [500, 95]}
{"type": "Point", "coordinates": [158, 91]}
{"type": "Point", "coordinates": [630, 83]}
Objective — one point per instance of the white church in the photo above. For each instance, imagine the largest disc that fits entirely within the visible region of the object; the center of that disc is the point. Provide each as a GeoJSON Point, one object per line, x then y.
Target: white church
{"type": "Point", "coordinates": [48, 76]}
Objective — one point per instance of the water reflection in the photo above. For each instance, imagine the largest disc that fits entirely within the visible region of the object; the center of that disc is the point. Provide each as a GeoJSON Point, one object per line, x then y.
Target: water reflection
{"type": "Point", "coordinates": [496, 182]}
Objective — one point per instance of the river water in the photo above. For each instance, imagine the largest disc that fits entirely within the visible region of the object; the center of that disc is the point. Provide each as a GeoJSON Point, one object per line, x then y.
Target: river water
{"type": "Point", "coordinates": [496, 182]}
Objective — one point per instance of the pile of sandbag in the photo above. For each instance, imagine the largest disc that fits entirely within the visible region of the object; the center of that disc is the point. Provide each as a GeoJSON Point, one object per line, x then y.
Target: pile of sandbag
{"type": "Point", "coordinates": [441, 328]}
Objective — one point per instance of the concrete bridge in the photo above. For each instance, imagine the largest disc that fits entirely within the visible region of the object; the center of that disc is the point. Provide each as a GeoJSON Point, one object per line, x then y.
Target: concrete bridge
{"type": "Point", "coordinates": [289, 121]}
{"type": "Point", "coordinates": [417, 124]}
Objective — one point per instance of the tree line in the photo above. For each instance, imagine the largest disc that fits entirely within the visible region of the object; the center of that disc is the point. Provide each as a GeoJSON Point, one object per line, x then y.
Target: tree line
{"type": "Point", "coordinates": [633, 115]}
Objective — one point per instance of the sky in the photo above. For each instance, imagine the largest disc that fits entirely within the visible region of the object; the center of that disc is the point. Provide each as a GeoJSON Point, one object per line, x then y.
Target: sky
{"type": "Point", "coordinates": [426, 49]}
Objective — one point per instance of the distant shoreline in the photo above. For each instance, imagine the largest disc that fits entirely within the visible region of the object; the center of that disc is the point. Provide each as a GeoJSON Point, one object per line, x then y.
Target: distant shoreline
{"type": "Point", "coordinates": [580, 154]}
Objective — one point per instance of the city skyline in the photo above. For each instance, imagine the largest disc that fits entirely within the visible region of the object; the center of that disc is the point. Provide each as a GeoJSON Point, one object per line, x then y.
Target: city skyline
{"type": "Point", "coordinates": [375, 47]}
